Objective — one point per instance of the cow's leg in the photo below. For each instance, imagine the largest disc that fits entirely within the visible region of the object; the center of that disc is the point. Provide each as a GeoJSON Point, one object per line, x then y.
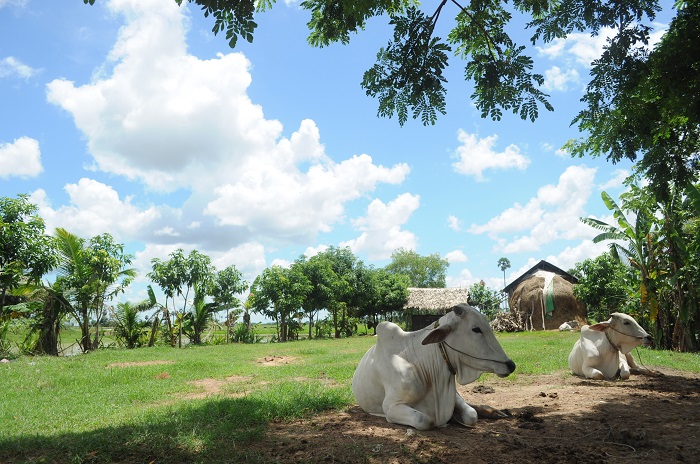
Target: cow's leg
{"type": "Point", "coordinates": [591, 372]}
{"type": "Point", "coordinates": [401, 413]}
{"type": "Point", "coordinates": [464, 414]}
{"type": "Point", "coordinates": [634, 368]}
{"type": "Point", "coordinates": [624, 367]}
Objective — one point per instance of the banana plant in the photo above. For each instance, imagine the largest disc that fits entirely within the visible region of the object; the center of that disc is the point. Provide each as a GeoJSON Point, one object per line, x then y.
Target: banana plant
{"type": "Point", "coordinates": [635, 243]}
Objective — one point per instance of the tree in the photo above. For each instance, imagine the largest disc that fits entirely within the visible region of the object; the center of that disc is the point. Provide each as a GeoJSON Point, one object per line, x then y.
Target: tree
{"type": "Point", "coordinates": [278, 293]}
{"type": "Point", "coordinates": [228, 283]}
{"type": "Point", "coordinates": [409, 73]}
{"type": "Point", "coordinates": [387, 295]}
{"type": "Point", "coordinates": [347, 285]}
{"type": "Point", "coordinates": [646, 105]}
{"type": "Point", "coordinates": [319, 272]}
{"type": "Point", "coordinates": [485, 299]}
{"type": "Point", "coordinates": [503, 264]}
{"type": "Point", "coordinates": [91, 272]}
{"type": "Point", "coordinates": [200, 315]}
{"type": "Point", "coordinates": [605, 286]}
{"type": "Point", "coordinates": [129, 330]}
{"type": "Point", "coordinates": [423, 271]}
{"type": "Point", "coordinates": [162, 312]}
{"type": "Point", "coordinates": [26, 253]}
{"type": "Point", "coordinates": [632, 243]}
{"type": "Point", "coordinates": [25, 249]}
{"type": "Point", "coordinates": [46, 307]}
{"type": "Point", "coordinates": [178, 277]}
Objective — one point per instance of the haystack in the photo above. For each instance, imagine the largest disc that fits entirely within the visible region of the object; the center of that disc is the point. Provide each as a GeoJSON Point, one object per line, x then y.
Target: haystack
{"type": "Point", "coordinates": [546, 300]}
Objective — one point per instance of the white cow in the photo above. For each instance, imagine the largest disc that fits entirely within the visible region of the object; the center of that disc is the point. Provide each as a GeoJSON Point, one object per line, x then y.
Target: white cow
{"type": "Point", "coordinates": [409, 377]}
{"type": "Point", "coordinates": [603, 351]}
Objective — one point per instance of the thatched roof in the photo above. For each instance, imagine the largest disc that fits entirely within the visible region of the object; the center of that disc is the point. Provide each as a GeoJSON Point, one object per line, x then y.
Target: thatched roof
{"type": "Point", "coordinates": [435, 299]}
{"type": "Point", "coordinates": [541, 266]}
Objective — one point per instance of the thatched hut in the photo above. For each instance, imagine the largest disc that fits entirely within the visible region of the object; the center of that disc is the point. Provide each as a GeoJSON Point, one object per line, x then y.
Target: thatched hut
{"type": "Point", "coordinates": [543, 298]}
{"type": "Point", "coordinates": [426, 305]}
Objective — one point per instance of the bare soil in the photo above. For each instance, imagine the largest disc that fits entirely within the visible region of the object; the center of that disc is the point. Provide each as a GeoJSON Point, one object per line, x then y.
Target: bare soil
{"type": "Point", "coordinates": [555, 418]}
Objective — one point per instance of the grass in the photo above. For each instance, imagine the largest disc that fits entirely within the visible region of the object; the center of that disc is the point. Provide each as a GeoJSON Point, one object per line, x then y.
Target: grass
{"type": "Point", "coordinates": [88, 408]}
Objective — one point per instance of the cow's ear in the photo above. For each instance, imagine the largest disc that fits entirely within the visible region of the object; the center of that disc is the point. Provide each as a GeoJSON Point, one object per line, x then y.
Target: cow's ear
{"type": "Point", "coordinates": [600, 327]}
{"type": "Point", "coordinates": [458, 310]}
{"type": "Point", "coordinates": [437, 335]}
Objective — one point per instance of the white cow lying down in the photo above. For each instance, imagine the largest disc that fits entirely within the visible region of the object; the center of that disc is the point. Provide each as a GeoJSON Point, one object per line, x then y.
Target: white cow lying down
{"type": "Point", "coordinates": [409, 377]}
{"type": "Point", "coordinates": [603, 351]}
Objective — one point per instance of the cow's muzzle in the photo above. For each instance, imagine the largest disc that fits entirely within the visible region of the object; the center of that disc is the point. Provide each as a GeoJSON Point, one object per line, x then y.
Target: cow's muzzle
{"type": "Point", "coordinates": [511, 367]}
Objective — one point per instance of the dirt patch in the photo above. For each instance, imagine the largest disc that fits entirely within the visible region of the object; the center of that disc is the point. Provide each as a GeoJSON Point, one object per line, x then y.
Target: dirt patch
{"type": "Point", "coordinates": [211, 387]}
{"type": "Point", "coordinates": [555, 418]}
{"type": "Point", "coordinates": [141, 363]}
{"type": "Point", "coordinates": [276, 360]}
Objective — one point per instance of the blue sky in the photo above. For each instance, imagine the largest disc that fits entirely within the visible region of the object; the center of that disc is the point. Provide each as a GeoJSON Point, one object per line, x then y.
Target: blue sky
{"type": "Point", "coordinates": [131, 117]}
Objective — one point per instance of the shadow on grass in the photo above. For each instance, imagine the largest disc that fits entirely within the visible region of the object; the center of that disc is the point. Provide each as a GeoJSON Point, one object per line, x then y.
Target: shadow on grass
{"type": "Point", "coordinates": [206, 431]}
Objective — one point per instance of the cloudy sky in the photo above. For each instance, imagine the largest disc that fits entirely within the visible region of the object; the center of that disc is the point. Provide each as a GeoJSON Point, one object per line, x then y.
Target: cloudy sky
{"type": "Point", "coordinates": [131, 117]}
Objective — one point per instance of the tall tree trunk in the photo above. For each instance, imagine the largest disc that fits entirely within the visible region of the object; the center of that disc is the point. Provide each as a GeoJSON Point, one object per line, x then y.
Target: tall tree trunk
{"type": "Point", "coordinates": [85, 330]}
{"type": "Point", "coordinates": [335, 323]}
{"type": "Point", "coordinates": [154, 330]}
{"type": "Point", "coordinates": [311, 323]}
{"type": "Point", "coordinates": [283, 328]}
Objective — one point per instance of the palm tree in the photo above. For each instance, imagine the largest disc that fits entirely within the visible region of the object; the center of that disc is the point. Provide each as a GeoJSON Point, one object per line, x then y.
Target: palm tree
{"type": "Point", "coordinates": [49, 306]}
{"type": "Point", "coordinates": [199, 316]}
{"type": "Point", "coordinates": [129, 329]}
{"type": "Point", "coordinates": [503, 264]}
{"type": "Point", "coordinates": [89, 273]}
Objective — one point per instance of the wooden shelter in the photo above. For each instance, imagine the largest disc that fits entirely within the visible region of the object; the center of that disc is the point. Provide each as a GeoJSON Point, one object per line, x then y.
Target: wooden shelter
{"type": "Point", "coordinates": [426, 305]}
{"type": "Point", "coordinates": [543, 297]}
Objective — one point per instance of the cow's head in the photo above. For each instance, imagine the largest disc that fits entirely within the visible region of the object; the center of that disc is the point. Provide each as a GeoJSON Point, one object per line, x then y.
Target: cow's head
{"type": "Point", "coordinates": [624, 332]}
{"type": "Point", "coordinates": [470, 344]}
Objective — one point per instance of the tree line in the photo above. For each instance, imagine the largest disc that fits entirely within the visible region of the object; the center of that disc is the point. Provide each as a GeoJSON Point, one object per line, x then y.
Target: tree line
{"type": "Point", "coordinates": [652, 272]}
{"type": "Point", "coordinates": [91, 273]}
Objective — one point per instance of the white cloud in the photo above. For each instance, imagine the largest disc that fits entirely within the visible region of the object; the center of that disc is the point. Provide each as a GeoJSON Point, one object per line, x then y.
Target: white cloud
{"type": "Point", "coordinates": [96, 208]}
{"type": "Point", "coordinates": [21, 158]}
{"type": "Point", "coordinates": [454, 223]}
{"type": "Point", "coordinates": [557, 80]}
{"type": "Point", "coordinates": [249, 258]}
{"type": "Point", "coordinates": [477, 155]}
{"type": "Point", "coordinates": [456, 256]}
{"type": "Point", "coordinates": [293, 203]}
{"type": "Point", "coordinates": [172, 121]}
{"type": "Point", "coordinates": [313, 251]}
{"type": "Point", "coordinates": [581, 48]}
{"type": "Point", "coordinates": [285, 263]}
{"type": "Point", "coordinates": [11, 66]}
{"type": "Point", "coordinates": [552, 215]}
{"type": "Point", "coordinates": [568, 258]}
{"type": "Point", "coordinates": [381, 227]}
{"type": "Point", "coordinates": [464, 279]}
{"type": "Point", "coordinates": [517, 217]}
{"type": "Point", "coordinates": [616, 180]}
{"type": "Point", "coordinates": [20, 3]}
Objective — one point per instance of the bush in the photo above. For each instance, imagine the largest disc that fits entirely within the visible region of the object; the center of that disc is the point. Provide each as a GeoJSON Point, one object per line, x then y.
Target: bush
{"type": "Point", "coordinates": [242, 334]}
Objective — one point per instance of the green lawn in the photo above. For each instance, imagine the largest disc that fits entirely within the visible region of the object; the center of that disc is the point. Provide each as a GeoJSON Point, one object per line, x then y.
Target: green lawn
{"type": "Point", "coordinates": [149, 404]}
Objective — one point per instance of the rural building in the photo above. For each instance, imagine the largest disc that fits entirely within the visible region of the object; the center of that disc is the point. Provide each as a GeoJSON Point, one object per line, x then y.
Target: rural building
{"type": "Point", "coordinates": [427, 305]}
{"type": "Point", "coordinates": [543, 297]}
